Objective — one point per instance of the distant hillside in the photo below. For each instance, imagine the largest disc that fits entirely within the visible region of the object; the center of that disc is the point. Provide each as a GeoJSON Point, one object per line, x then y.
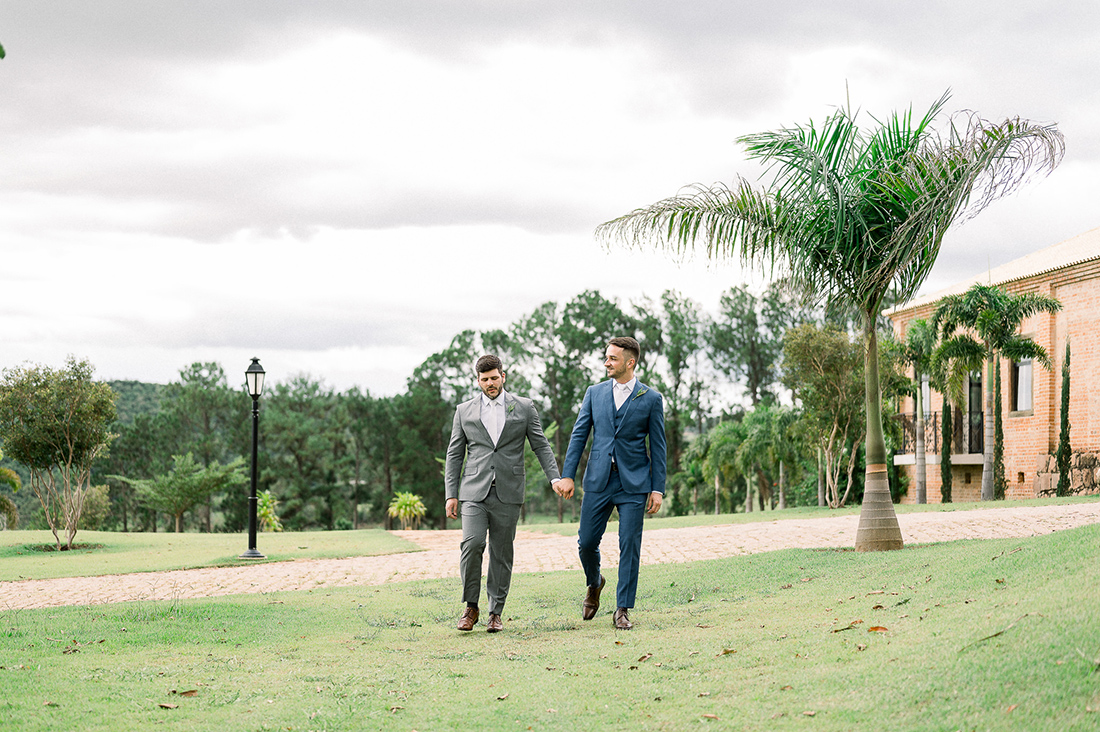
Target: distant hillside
{"type": "Point", "coordinates": [136, 397]}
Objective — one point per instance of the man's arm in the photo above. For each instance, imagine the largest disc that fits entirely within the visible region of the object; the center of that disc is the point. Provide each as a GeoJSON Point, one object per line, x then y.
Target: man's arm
{"type": "Point", "coordinates": [577, 440]}
{"type": "Point", "coordinates": [657, 450]}
{"type": "Point", "coordinates": [541, 446]}
{"type": "Point", "coordinates": [452, 474]}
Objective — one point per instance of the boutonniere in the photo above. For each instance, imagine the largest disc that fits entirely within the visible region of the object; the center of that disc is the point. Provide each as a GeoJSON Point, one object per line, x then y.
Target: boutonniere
{"type": "Point", "coordinates": [641, 391]}
{"type": "Point", "coordinates": [511, 407]}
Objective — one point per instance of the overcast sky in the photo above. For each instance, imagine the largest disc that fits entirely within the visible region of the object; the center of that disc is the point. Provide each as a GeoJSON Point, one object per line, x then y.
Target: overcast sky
{"type": "Point", "coordinates": [340, 187]}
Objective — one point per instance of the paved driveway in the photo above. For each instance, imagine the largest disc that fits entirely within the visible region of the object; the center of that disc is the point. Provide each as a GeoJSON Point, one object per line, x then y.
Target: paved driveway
{"type": "Point", "coordinates": [536, 552]}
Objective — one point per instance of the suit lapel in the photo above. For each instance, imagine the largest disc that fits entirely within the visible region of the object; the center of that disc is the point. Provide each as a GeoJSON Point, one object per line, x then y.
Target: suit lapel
{"type": "Point", "coordinates": [473, 415]}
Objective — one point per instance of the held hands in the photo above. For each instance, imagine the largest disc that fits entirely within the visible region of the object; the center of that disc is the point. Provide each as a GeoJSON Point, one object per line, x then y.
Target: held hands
{"type": "Point", "coordinates": [564, 487]}
{"type": "Point", "coordinates": [653, 504]}
{"type": "Point", "coordinates": [452, 508]}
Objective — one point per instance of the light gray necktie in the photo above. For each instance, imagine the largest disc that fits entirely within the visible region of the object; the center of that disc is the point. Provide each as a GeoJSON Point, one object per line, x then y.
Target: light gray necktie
{"type": "Point", "coordinates": [496, 423]}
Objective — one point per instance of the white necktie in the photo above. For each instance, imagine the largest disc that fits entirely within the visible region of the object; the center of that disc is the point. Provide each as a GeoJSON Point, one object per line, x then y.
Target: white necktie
{"type": "Point", "coordinates": [496, 425]}
{"type": "Point", "coordinates": [622, 391]}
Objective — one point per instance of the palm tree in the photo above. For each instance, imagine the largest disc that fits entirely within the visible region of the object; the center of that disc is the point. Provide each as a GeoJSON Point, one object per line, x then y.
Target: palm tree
{"type": "Point", "coordinates": [994, 315]}
{"type": "Point", "coordinates": [849, 215]}
{"type": "Point", "coordinates": [917, 351]}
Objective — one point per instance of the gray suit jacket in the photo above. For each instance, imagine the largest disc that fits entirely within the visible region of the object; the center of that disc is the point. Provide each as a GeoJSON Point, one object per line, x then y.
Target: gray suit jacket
{"type": "Point", "coordinates": [502, 462]}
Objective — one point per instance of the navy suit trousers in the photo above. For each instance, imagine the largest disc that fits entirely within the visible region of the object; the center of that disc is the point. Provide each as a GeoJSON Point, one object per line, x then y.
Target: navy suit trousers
{"type": "Point", "coordinates": [595, 510]}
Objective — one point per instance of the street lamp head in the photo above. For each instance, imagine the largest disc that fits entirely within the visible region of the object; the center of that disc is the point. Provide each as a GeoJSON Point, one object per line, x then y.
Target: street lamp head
{"type": "Point", "coordinates": [254, 377]}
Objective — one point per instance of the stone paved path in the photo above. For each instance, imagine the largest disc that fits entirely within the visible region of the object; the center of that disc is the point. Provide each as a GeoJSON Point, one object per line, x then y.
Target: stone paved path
{"type": "Point", "coordinates": [536, 552]}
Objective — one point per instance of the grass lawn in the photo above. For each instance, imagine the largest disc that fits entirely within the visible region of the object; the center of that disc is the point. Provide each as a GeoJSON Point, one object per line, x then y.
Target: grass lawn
{"type": "Point", "coordinates": [969, 635]}
{"type": "Point", "coordinates": [109, 552]}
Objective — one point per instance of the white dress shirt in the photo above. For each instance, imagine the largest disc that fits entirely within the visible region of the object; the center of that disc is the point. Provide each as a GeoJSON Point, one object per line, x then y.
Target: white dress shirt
{"type": "Point", "coordinates": [623, 391]}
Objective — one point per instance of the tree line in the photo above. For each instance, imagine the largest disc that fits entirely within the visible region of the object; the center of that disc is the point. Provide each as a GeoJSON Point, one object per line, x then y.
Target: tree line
{"type": "Point", "coordinates": [336, 459]}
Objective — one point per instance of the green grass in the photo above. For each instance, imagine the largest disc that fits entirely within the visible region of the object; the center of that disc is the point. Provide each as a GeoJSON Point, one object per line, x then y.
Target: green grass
{"type": "Point", "coordinates": [108, 552]}
{"type": "Point", "coordinates": [978, 635]}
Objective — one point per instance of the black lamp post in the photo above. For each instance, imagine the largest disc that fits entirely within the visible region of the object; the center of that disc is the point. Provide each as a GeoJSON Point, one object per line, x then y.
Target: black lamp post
{"type": "Point", "coordinates": [254, 377]}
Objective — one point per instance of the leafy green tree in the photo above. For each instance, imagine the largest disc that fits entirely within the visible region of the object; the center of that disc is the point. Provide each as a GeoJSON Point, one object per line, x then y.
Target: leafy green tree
{"type": "Point", "coordinates": [720, 466]}
{"type": "Point", "coordinates": [56, 423]}
{"type": "Point", "coordinates": [852, 214]}
{"type": "Point", "coordinates": [187, 484]}
{"type": "Point", "coordinates": [746, 338]}
{"type": "Point", "coordinates": [824, 369]}
{"type": "Point", "coordinates": [206, 415]}
{"type": "Point", "coordinates": [303, 435]}
{"type": "Point", "coordinates": [917, 351]}
{"type": "Point", "coordinates": [144, 448]}
{"type": "Point", "coordinates": [9, 513]}
{"type": "Point", "coordinates": [1064, 452]}
{"type": "Point", "coordinates": [979, 326]}
{"type": "Point", "coordinates": [682, 325]}
{"type": "Point", "coordinates": [769, 450]}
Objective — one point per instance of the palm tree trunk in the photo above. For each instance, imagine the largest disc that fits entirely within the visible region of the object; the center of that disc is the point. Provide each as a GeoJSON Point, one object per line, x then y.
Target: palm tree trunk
{"type": "Point", "coordinates": [878, 528]}
{"type": "Point", "coordinates": [987, 432]}
{"type": "Point", "coordinates": [920, 469]}
{"type": "Point", "coordinates": [782, 488]}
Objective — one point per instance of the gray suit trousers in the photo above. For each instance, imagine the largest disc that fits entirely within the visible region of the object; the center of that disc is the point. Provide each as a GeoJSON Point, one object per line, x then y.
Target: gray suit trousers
{"type": "Point", "coordinates": [498, 520]}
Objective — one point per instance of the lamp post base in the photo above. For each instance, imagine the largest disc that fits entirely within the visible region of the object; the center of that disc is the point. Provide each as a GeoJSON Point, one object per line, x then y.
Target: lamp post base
{"type": "Point", "coordinates": [252, 554]}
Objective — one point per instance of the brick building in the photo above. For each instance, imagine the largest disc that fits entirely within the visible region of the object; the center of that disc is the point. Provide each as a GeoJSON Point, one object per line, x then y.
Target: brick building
{"type": "Point", "coordinates": [1070, 272]}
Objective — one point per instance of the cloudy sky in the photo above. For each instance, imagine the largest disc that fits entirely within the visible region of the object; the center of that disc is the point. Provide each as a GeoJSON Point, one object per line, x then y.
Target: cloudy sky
{"type": "Point", "coordinates": [339, 187]}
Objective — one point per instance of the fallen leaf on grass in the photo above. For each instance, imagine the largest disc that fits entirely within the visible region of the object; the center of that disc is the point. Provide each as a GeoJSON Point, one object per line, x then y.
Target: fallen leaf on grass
{"type": "Point", "coordinates": [704, 693]}
{"type": "Point", "coordinates": [710, 716]}
{"type": "Point", "coordinates": [502, 697]}
{"type": "Point", "coordinates": [726, 652]}
{"type": "Point", "coordinates": [394, 708]}
{"type": "Point", "coordinates": [633, 668]}
{"type": "Point", "coordinates": [190, 692]}
{"type": "Point", "coordinates": [50, 704]}
{"type": "Point", "coordinates": [876, 629]}
{"type": "Point", "coordinates": [876, 607]}
{"type": "Point", "coordinates": [700, 625]}
{"type": "Point", "coordinates": [165, 705]}
{"type": "Point", "coordinates": [1011, 708]}
{"type": "Point", "coordinates": [646, 657]}
{"type": "Point", "coordinates": [786, 587]}
{"type": "Point", "coordinates": [850, 625]}
{"type": "Point", "coordinates": [788, 687]}
{"type": "Point", "coordinates": [809, 714]}
{"type": "Point", "coordinates": [861, 647]}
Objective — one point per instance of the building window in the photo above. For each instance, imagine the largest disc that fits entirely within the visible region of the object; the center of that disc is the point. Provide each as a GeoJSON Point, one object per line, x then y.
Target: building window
{"type": "Point", "coordinates": [1021, 385]}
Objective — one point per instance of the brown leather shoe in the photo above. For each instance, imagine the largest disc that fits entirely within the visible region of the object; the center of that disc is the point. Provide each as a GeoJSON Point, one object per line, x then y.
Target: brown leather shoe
{"type": "Point", "coordinates": [592, 600]}
{"type": "Point", "coordinates": [622, 620]}
{"type": "Point", "coordinates": [468, 619]}
{"type": "Point", "coordinates": [495, 624]}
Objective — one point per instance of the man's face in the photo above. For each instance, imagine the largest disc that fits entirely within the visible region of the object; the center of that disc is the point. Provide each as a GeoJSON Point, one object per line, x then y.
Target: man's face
{"type": "Point", "coordinates": [491, 382]}
{"type": "Point", "coordinates": [618, 366]}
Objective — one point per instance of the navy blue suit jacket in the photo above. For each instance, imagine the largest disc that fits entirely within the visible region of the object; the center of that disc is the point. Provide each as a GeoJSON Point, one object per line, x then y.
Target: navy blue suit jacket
{"type": "Point", "coordinates": [641, 470]}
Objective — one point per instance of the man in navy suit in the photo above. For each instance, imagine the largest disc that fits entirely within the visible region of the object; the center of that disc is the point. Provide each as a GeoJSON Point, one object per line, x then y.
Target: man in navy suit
{"type": "Point", "coordinates": [623, 472]}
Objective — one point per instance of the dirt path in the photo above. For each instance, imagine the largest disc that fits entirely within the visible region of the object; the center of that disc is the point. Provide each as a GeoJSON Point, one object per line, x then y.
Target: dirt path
{"type": "Point", "coordinates": [535, 552]}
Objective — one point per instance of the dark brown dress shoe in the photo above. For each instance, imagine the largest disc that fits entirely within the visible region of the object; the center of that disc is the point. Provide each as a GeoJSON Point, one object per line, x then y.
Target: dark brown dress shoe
{"type": "Point", "coordinates": [468, 619]}
{"type": "Point", "coordinates": [592, 600]}
{"type": "Point", "coordinates": [495, 624]}
{"type": "Point", "coordinates": [622, 620]}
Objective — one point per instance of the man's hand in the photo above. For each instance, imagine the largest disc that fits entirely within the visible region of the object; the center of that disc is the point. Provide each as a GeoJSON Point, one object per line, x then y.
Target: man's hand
{"type": "Point", "coordinates": [653, 505]}
{"type": "Point", "coordinates": [452, 508]}
{"type": "Point", "coordinates": [564, 487]}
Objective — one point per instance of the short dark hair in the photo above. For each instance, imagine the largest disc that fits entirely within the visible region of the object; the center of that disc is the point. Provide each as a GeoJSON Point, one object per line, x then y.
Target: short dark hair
{"type": "Point", "coordinates": [489, 362]}
{"type": "Point", "coordinates": [629, 345]}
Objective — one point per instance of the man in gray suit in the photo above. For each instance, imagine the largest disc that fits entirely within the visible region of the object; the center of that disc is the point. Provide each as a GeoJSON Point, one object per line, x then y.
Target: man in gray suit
{"type": "Point", "coordinates": [488, 433]}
